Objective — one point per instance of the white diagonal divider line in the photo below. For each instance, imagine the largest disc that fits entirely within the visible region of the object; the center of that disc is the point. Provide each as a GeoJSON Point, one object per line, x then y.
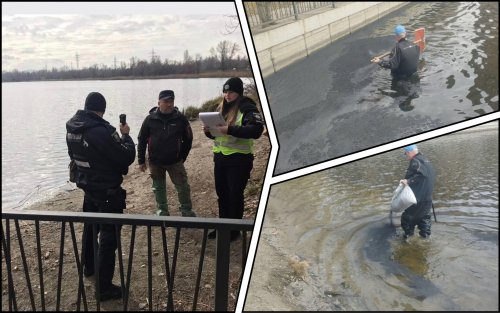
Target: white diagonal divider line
{"type": "Point", "coordinates": [260, 87]}
{"type": "Point", "coordinates": [272, 158]}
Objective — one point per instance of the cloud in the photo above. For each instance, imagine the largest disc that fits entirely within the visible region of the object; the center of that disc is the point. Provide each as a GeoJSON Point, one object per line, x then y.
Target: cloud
{"type": "Point", "coordinates": [98, 39]}
{"type": "Point", "coordinates": [7, 57]}
{"type": "Point", "coordinates": [84, 8]}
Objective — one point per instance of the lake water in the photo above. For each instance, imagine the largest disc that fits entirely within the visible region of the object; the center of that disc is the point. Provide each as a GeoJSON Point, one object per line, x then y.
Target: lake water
{"type": "Point", "coordinates": [335, 102]}
{"type": "Point", "coordinates": [337, 220]}
{"type": "Point", "coordinates": [34, 115]}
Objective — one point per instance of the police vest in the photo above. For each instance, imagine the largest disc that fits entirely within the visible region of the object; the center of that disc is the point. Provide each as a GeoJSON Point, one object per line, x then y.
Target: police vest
{"type": "Point", "coordinates": [228, 144]}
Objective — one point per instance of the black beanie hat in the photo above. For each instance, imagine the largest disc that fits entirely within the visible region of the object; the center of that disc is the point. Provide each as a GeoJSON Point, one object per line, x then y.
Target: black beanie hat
{"type": "Point", "coordinates": [95, 102]}
{"type": "Point", "coordinates": [233, 84]}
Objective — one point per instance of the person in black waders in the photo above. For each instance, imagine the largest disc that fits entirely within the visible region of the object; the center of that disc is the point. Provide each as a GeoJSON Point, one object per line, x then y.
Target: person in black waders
{"type": "Point", "coordinates": [420, 176]}
{"type": "Point", "coordinates": [233, 150]}
{"type": "Point", "coordinates": [403, 61]}
{"type": "Point", "coordinates": [102, 157]}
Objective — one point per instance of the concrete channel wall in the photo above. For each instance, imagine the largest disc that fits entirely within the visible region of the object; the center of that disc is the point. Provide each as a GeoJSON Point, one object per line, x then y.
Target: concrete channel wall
{"type": "Point", "coordinates": [284, 45]}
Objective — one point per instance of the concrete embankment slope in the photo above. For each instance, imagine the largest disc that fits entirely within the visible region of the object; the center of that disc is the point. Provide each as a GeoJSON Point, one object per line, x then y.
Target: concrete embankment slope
{"type": "Point", "coordinates": [283, 45]}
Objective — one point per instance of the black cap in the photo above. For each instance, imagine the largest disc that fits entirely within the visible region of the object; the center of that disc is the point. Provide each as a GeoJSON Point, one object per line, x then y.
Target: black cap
{"type": "Point", "coordinates": [233, 84]}
{"type": "Point", "coordinates": [166, 94]}
{"type": "Point", "coordinates": [95, 102]}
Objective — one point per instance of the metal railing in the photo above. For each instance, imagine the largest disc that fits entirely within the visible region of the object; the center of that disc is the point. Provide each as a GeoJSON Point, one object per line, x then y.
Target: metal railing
{"type": "Point", "coordinates": [222, 254]}
{"type": "Point", "coordinates": [266, 13]}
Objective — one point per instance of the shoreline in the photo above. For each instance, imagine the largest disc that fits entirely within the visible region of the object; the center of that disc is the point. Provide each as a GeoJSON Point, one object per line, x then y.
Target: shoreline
{"type": "Point", "coordinates": [141, 200]}
{"type": "Point", "coordinates": [238, 73]}
{"type": "Point", "coordinates": [201, 144]}
{"type": "Point", "coordinates": [63, 189]}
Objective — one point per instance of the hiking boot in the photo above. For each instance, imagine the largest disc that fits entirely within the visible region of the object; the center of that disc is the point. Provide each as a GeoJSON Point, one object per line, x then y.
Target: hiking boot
{"type": "Point", "coordinates": [110, 293]}
{"type": "Point", "coordinates": [212, 234]}
{"type": "Point", "coordinates": [162, 213]}
{"type": "Point", "coordinates": [188, 214]}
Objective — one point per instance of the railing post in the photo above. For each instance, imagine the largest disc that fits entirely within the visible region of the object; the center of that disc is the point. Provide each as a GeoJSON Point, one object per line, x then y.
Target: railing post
{"type": "Point", "coordinates": [222, 270]}
{"type": "Point", "coordinates": [295, 10]}
{"type": "Point", "coordinates": [10, 281]}
{"type": "Point", "coordinates": [263, 12]}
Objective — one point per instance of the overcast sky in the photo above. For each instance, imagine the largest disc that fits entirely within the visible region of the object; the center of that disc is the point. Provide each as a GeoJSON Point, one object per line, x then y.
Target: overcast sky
{"type": "Point", "coordinates": [40, 34]}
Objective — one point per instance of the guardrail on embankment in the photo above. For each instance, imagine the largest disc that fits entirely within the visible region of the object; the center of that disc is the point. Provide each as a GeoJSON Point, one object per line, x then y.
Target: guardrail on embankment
{"type": "Point", "coordinates": [286, 43]}
{"type": "Point", "coordinates": [70, 269]}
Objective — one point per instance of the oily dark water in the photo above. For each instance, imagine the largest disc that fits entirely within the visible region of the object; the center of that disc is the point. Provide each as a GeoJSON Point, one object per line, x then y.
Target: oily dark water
{"type": "Point", "coordinates": [336, 102]}
{"type": "Point", "coordinates": [337, 220]}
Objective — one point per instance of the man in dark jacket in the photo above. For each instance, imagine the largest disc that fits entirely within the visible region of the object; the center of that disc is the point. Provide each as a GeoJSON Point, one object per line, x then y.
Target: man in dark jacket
{"type": "Point", "coordinates": [168, 136]}
{"type": "Point", "coordinates": [403, 60]}
{"type": "Point", "coordinates": [420, 176]}
{"type": "Point", "coordinates": [101, 158]}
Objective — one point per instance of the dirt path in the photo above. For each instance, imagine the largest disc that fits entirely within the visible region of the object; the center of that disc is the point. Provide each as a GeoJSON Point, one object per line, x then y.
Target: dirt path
{"type": "Point", "coordinates": [140, 200]}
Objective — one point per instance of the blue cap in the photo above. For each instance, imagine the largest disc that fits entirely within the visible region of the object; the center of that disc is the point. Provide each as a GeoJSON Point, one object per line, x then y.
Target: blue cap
{"type": "Point", "coordinates": [399, 30]}
{"type": "Point", "coordinates": [410, 148]}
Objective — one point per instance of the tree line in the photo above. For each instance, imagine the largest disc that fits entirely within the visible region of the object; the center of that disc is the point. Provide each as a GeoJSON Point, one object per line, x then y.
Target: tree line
{"type": "Point", "coordinates": [221, 58]}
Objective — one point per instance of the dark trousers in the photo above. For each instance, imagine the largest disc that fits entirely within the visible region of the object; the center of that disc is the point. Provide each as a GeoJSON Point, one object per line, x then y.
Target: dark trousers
{"type": "Point", "coordinates": [231, 176]}
{"type": "Point", "coordinates": [417, 215]}
{"type": "Point", "coordinates": [111, 201]}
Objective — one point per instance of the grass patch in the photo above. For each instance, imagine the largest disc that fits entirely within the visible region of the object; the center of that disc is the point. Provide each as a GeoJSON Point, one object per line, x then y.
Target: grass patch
{"type": "Point", "coordinates": [211, 105]}
{"type": "Point", "coordinates": [192, 112]}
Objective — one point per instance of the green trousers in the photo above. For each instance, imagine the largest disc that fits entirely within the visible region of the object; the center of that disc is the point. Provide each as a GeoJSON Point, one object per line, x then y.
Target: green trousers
{"type": "Point", "coordinates": [178, 176]}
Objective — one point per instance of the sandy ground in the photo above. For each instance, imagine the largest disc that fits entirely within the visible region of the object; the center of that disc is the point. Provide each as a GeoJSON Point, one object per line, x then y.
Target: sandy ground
{"type": "Point", "coordinates": [140, 200]}
{"type": "Point", "coordinates": [266, 290]}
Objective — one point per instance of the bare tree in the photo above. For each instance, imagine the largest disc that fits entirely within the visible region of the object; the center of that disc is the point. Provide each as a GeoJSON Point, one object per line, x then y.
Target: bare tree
{"type": "Point", "coordinates": [226, 51]}
{"type": "Point", "coordinates": [187, 58]}
{"type": "Point", "coordinates": [232, 24]}
{"type": "Point", "coordinates": [197, 61]}
{"type": "Point", "coordinates": [222, 57]}
{"type": "Point", "coordinates": [212, 51]}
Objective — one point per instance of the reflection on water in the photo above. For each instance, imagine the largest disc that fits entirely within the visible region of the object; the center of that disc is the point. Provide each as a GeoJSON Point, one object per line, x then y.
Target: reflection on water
{"type": "Point", "coordinates": [337, 220]}
{"type": "Point", "coordinates": [403, 91]}
{"type": "Point", "coordinates": [413, 256]}
{"type": "Point", "coordinates": [34, 114]}
{"type": "Point", "coordinates": [332, 103]}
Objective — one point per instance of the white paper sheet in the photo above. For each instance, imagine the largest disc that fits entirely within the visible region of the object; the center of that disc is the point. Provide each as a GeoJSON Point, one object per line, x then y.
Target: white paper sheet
{"type": "Point", "coordinates": [212, 119]}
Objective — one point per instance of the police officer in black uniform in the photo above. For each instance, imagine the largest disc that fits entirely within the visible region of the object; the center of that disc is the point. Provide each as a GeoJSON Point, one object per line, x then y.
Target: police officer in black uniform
{"type": "Point", "coordinates": [420, 176]}
{"type": "Point", "coordinates": [102, 157]}
{"type": "Point", "coordinates": [233, 150]}
{"type": "Point", "coordinates": [403, 60]}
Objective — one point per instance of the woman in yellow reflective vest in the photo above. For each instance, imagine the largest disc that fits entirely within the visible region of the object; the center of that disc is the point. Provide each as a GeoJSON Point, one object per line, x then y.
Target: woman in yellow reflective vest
{"type": "Point", "coordinates": [233, 149]}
